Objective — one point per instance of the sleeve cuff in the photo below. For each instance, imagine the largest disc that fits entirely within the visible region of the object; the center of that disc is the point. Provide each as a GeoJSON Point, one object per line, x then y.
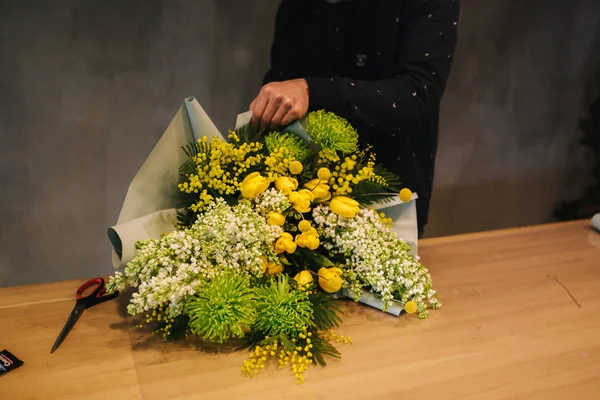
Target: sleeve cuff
{"type": "Point", "coordinates": [322, 94]}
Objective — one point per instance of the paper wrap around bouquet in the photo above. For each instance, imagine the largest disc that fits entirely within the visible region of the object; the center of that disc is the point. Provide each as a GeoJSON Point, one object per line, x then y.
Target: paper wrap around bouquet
{"type": "Point", "coordinates": [149, 207]}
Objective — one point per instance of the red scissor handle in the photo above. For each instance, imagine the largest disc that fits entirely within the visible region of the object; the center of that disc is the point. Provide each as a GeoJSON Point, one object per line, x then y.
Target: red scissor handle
{"type": "Point", "coordinates": [97, 296]}
{"type": "Point", "coordinates": [99, 291]}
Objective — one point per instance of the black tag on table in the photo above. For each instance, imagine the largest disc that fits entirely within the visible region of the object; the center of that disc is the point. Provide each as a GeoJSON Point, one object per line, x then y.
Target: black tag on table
{"type": "Point", "coordinates": [8, 362]}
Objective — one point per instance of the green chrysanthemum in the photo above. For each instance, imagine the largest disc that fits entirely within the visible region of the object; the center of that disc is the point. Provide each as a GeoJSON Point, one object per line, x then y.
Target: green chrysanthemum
{"type": "Point", "coordinates": [297, 147]}
{"type": "Point", "coordinates": [331, 131]}
{"type": "Point", "coordinates": [222, 308]}
{"type": "Point", "coordinates": [281, 309]}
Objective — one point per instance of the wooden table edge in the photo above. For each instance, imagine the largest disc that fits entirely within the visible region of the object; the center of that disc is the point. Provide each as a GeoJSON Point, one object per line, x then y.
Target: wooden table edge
{"type": "Point", "coordinates": [583, 223]}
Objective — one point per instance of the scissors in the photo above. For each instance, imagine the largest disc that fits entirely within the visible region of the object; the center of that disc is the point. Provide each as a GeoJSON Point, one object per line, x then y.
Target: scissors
{"type": "Point", "coordinates": [84, 302]}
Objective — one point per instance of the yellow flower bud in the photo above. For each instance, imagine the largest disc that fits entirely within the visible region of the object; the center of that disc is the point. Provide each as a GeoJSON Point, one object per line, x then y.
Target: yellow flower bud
{"type": "Point", "coordinates": [303, 278]}
{"type": "Point", "coordinates": [253, 185]}
{"type": "Point", "coordinates": [286, 185]}
{"type": "Point", "coordinates": [344, 206]}
{"type": "Point", "coordinates": [304, 226]}
{"type": "Point", "coordinates": [275, 218]}
{"type": "Point", "coordinates": [410, 307]}
{"type": "Point", "coordinates": [319, 188]}
{"type": "Point", "coordinates": [301, 200]}
{"type": "Point", "coordinates": [296, 167]}
{"type": "Point", "coordinates": [323, 173]}
{"type": "Point", "coordinates": [405, 195]}
{"type": "Point", "coordinates": [330, 279]}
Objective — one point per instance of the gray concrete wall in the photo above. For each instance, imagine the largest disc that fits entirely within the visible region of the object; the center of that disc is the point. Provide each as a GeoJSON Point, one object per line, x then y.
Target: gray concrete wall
{"type": "Point", "coordinates": [87, 87]}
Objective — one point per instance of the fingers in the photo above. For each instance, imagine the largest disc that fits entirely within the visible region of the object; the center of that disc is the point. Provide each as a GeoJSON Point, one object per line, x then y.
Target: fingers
{"type": "Point", "coordinates": [270, 110]}
{"type": "Point", "coordinates": [292, 115]}
{"type": "Point", "coordinates": [282, 111]}
{"type": "Point", "coordinates": [258, 108]}
{"type": "Point", "coordinates": [278, 104]}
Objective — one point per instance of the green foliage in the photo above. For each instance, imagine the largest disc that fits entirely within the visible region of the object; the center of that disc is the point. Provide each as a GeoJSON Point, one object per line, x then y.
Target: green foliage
{"type": "Point", "coordinates": [222, 309]}
{"type": "Point", "coordinates": [314, 260]}
{"type": "Point", "coordinates": [326, 310]}
{"type": "Point", "coordinates": [253, 339]}
{"type": "Point", "coordinates": [297, 147]}
{"type": "Point", "coordinates": [331, 131]}
{"type": "Point", "coordinates": [192, 150]}
{"type": "Point", "coordinates": [282, 310]}
{"type": "Point", "coordinates": [368, 192]}
{"type": "Point", "coordinates": [321, 348]}
{"type": "Point", "coordinates": [185, 216]}
{"type": "Point", "coordinates": [249, 133]}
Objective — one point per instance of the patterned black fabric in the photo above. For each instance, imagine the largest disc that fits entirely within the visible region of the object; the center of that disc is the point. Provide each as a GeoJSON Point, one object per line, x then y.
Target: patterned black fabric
{"type": "Point", "coordinates": [381, 64]}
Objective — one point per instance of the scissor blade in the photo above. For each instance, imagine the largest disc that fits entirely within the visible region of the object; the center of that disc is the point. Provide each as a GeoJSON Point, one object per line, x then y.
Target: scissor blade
{"type": "Point", "coordinates": [73, 318]}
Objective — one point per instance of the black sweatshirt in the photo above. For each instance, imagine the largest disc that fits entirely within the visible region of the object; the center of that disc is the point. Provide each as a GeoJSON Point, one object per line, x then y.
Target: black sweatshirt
{"type": "Point", "coordinates": [381, 64]}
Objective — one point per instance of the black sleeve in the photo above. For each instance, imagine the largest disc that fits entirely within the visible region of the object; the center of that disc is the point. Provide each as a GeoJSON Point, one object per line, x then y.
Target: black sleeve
{"type": "Point", "coordinates": [287, 48]}
{"type": "Point", "coordinates": [425, 51]}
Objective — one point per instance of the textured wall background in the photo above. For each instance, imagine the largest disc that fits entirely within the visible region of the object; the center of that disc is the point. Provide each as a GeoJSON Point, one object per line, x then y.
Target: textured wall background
{"type": "Point", "coordinates": [87, 88]}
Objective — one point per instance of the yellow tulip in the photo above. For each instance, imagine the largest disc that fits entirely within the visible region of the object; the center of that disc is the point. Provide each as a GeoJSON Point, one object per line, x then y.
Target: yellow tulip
{"type": "Point", "coordinates": [285, 243]}
{"type": "Point", "coordinates": [344, 206]}
{"type": "Point", "coordinates": [303, 278]}
{"type": "Point", "coordinates": [319, 188]}
{"type": "Point", "coordinates": [330, 279]}
{"type": "Point", "coordinates": [270, 267]}
{"type": "Point", "coordinates": [286, 185]}
{"type": "Point", "coordinates": [273, 268]}
{"type": "Point", "coordinates": [265, 264]}
{"type": "Point", "coordinates": [253, 185]}
{"type": "Point", "coordinates": [275, 218]}
{"type": "Point", "coordinates": [309, 240]}
{"type": "Point", "coordinates": [301, 200]}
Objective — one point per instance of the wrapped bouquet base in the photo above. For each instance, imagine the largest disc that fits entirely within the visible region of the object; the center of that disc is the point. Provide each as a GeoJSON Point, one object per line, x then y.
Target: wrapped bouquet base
{"type": "Point", "coordinates": [255, 235]}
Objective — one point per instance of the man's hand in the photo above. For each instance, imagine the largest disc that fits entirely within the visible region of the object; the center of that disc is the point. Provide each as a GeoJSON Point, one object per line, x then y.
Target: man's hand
{"type": "Point", "coordinates": [280, 103]}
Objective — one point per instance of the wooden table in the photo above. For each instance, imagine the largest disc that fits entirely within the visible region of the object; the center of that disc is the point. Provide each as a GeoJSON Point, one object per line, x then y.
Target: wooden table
{"type": "Point", "coordinates": [520, 320]}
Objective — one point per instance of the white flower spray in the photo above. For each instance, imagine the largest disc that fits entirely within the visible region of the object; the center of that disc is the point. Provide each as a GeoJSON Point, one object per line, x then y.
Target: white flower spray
{"type": "Point", "coordinates": [169, 269]}
{"type": "Point", "coordinates": [376, 259]}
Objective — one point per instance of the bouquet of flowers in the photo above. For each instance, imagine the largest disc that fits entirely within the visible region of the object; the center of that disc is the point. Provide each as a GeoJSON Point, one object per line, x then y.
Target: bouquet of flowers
{"type": "Point", "coordinates": [271, 227]}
